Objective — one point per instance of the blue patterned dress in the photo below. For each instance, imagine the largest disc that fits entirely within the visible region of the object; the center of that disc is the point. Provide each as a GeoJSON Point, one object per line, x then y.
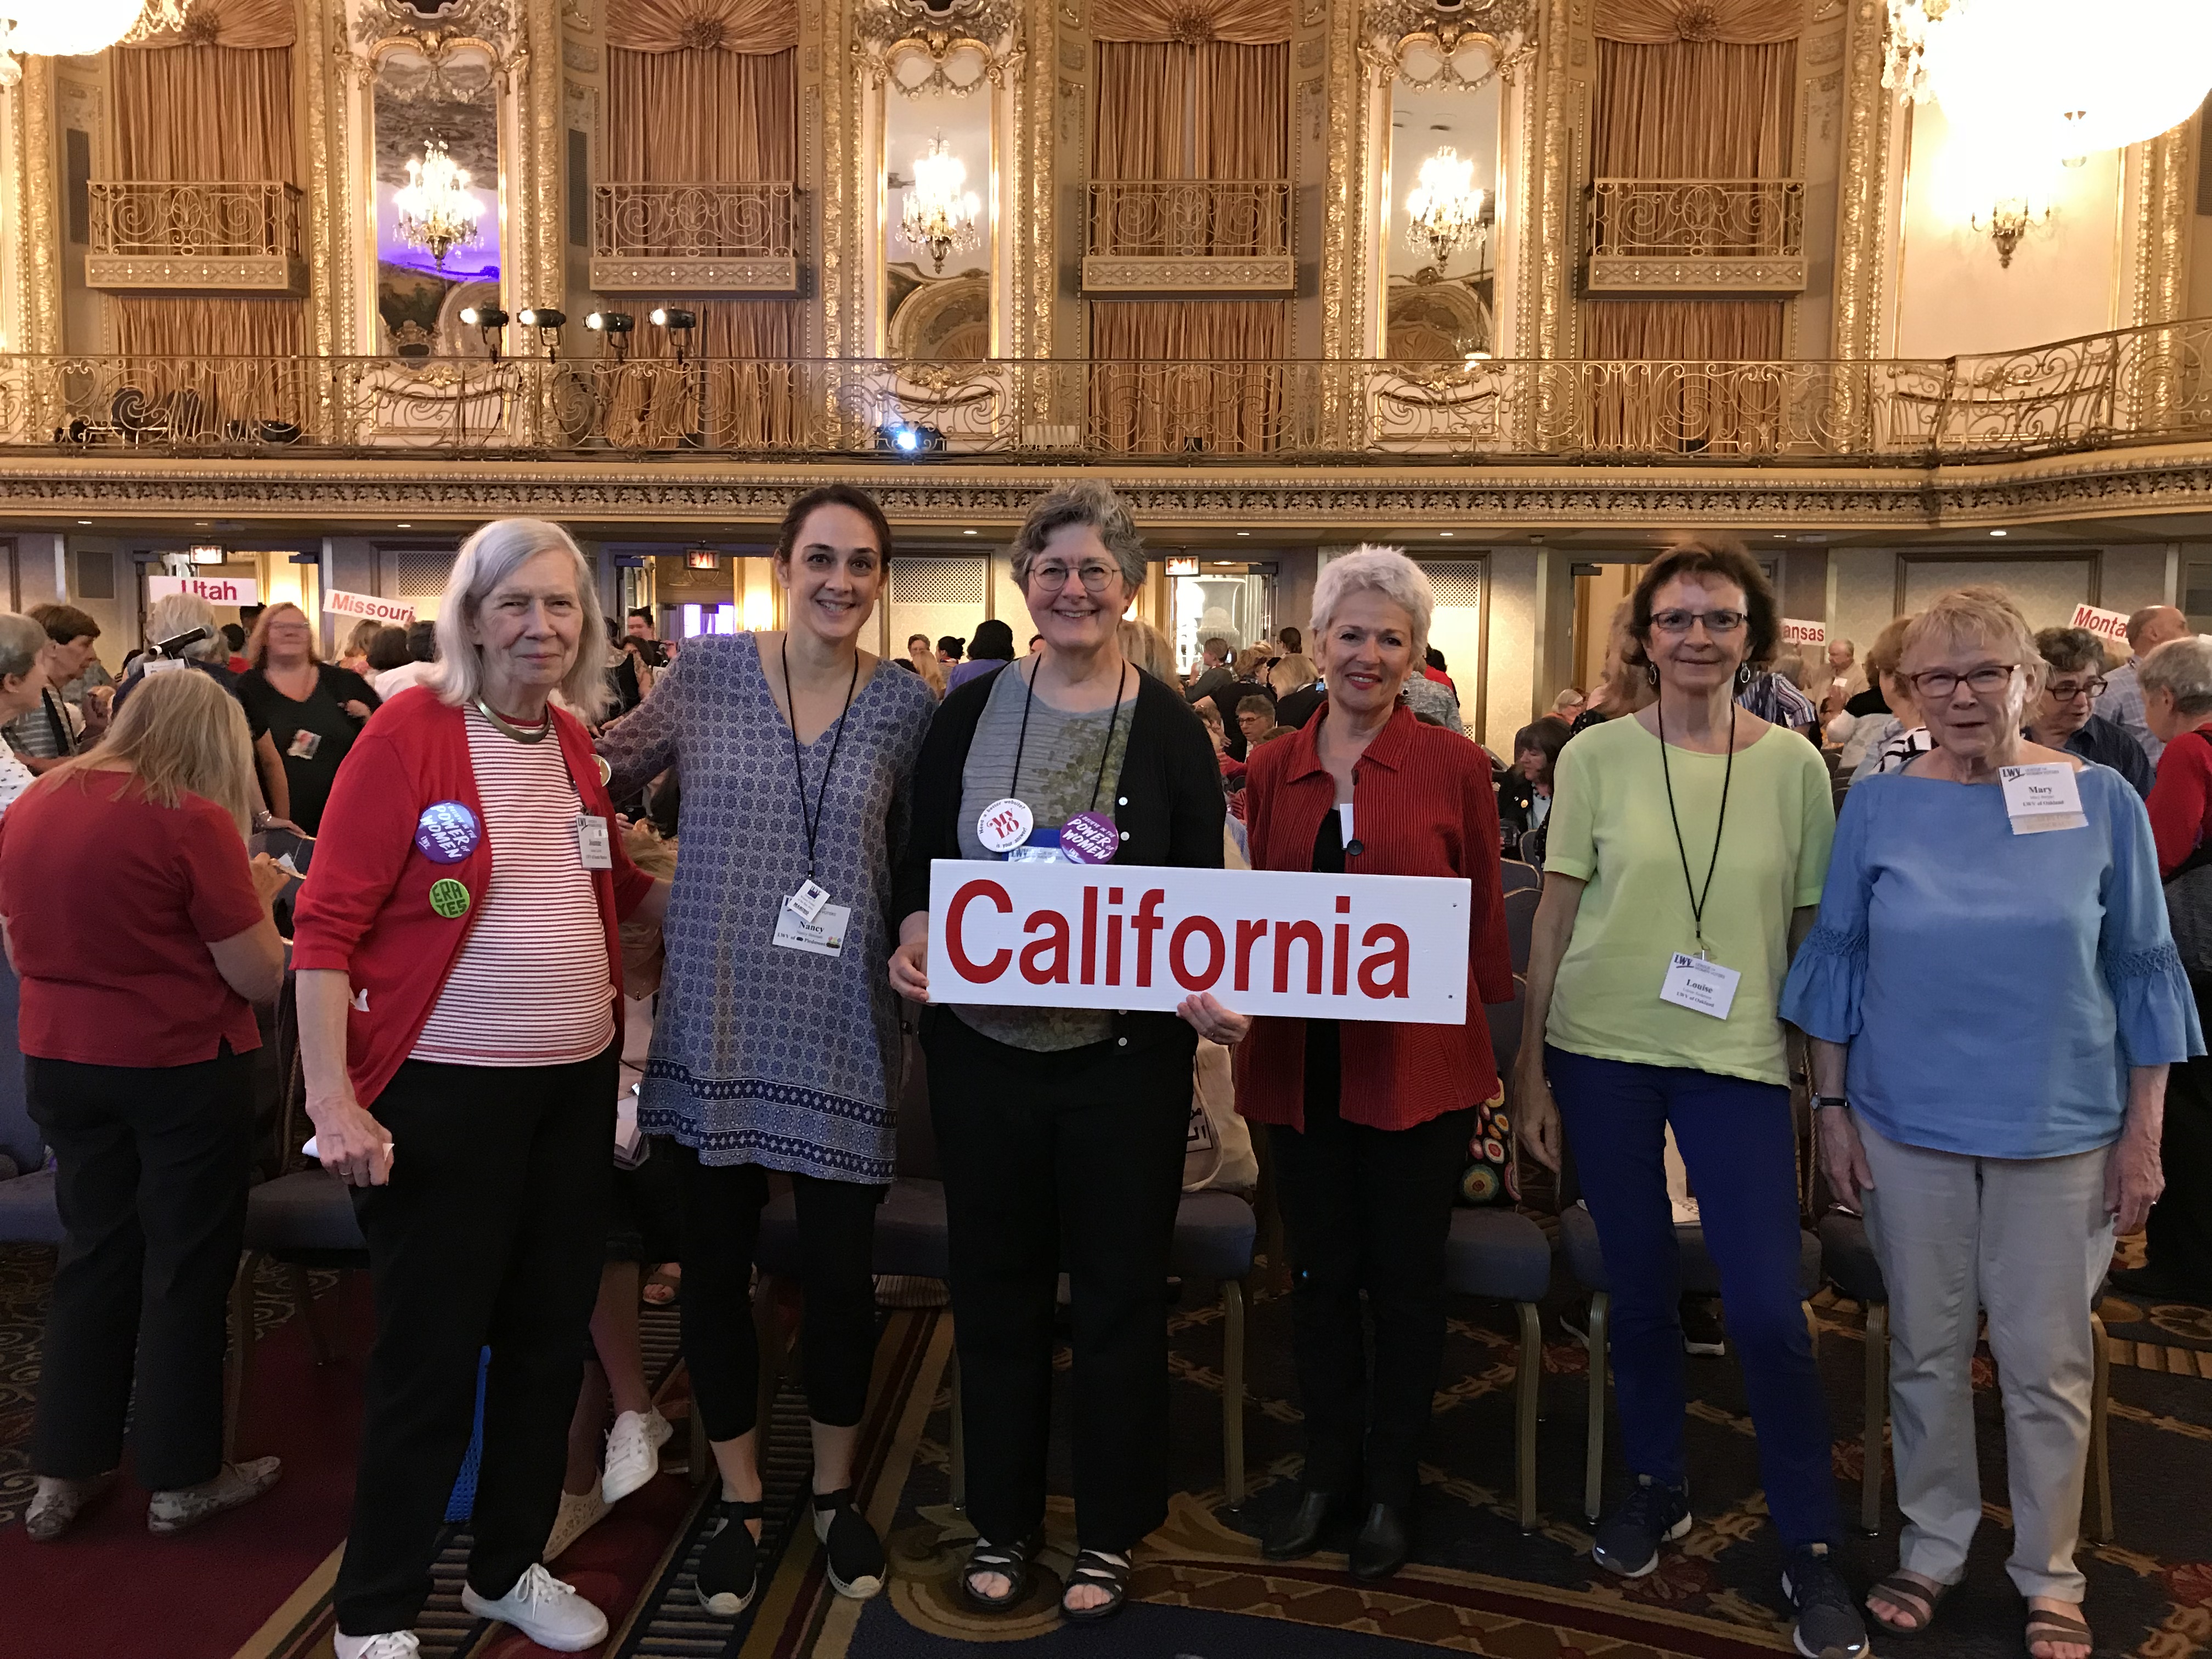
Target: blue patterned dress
{"type": "Point", "coordinates": [762, 1055]}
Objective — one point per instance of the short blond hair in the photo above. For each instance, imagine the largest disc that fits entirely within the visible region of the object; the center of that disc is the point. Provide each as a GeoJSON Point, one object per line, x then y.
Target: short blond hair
{"type": "Point", "coordinates": [1887, 653]}
{"type": "Point", "coordinates": [1984, 615]}
{"type": "Point", "coordinates": [180, 732]}
{"type": "Point", "coordinates": [1146, 647]}
{"type": "Point", "coordinates": [257, 648]}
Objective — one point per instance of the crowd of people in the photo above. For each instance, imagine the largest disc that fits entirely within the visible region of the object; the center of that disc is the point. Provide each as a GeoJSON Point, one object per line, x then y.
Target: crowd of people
{"type": "Point", "coordinates": [497, 805]}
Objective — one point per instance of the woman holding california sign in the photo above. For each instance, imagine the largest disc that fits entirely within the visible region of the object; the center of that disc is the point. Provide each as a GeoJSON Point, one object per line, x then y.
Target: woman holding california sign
{"type": "Point", "coordinates": [1370, 1121]}
{"type": "Point", "coordinates": [1061, 1123]}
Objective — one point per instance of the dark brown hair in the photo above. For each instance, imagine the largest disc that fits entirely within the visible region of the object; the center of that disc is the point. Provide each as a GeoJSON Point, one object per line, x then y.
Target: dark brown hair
{"type": "Point", "coordinates": [1547, 734]}
{"type": "Point", "coordinates": [836, 495]}
{"type": "Point", "coordinates": [63, 622]}
{"type": "Point", "coordinates": [1715, 555]}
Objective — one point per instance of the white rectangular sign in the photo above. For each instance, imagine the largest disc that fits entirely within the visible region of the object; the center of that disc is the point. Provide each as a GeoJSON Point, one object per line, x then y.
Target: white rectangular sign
{"type": "Point", "coordinates": [1262, 941]}
{"type": "Point", "coordinates": [215, 590]}
{"type": "Point", "coordinates": [397, 612]}
{"type": "Point", "coordinates": [2111, 624]}
{"type": "Point", "coordinates": [1795, 632]}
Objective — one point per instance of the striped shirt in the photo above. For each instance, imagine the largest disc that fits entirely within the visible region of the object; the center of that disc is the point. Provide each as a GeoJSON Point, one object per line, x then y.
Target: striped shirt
{"type": "Point", "coordinates": [529, 986]}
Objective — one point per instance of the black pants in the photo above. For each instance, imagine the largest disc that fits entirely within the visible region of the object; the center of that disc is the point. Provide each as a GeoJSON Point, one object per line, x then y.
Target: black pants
{"type": "Point", "coordinates": [2179, 1230]}
{"type": "Point", "coordinates": [722, 1205]}
{"type": "Point", "coordinates": [1071, 1157]}
{"type": "Point", "coordinates": [1367, 1209]}
{"type": "Point", "coordinates": [492, 1231]}
{"type": "Point", "coordinates": [150, 1173]}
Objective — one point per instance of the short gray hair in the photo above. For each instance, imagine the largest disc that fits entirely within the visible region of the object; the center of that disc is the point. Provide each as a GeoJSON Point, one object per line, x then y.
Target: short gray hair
{"type": "Point", "coordinates": [2182, 667]}
{"type": "Point", "coordinates": [1372, 569]}
{"type": "Point", "coordinates": [180, 613]}
{"type": "Point", "coordinates": [488, 558]}
{"type": "Point", "coordinates": [1090, 503]}
{"type": "Point", "coordinates": [21, 641]}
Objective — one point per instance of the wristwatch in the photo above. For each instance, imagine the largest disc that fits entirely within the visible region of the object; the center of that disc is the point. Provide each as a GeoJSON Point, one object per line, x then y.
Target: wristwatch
{"type": "Point", "coordinates": [1831, 1101]}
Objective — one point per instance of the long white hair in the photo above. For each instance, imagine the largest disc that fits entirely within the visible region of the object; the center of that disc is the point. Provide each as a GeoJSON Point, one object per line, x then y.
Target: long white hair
{"type": "Point", "coordinates": [488, 558]}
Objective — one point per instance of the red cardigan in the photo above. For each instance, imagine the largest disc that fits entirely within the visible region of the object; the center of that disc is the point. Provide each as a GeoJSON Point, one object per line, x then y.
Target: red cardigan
{"type": "Point", "coordinates": [365, 910]}
{"type": "Point", "coordinates": [1422, 804]}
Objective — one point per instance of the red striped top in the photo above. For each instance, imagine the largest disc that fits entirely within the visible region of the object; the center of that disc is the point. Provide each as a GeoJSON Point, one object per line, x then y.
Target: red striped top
{"type": "Point", "coordinates": [530, 985]}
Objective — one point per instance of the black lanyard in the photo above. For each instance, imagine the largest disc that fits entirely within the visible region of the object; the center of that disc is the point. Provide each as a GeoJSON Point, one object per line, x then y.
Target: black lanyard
{"type": "Point", "coordinates": [813, 820]}
{"type": "Point", "coordinates": [1113, 721]}
{"type": "Point", "coordinates": [1697, 898]}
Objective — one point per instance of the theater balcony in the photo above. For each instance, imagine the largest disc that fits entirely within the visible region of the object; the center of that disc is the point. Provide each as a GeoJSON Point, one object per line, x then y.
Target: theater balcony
{"type": "Point", "coordinates": [730, 239]}
{"type": "Point", "coordinates": [171, 235]}
{"type": "Point", "coordinates": [1687, 237]}
{"type": "Point", "coordinates": [1220, 238]}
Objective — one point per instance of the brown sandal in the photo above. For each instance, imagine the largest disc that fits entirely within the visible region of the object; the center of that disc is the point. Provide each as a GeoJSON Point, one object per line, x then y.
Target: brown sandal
{"type": "Point", "coordinates": [1910, 1595]}
{"type": "Point", "coordinates": [2044, 1626]}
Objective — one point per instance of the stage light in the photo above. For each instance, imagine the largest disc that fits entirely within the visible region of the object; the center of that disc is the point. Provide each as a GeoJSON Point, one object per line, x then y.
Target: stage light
{"type": "Point", "coordinates": [672, 317]}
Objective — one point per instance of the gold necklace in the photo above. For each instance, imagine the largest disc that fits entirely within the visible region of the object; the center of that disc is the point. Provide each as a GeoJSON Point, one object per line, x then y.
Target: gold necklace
{"type": "Point", "coordinates": [520, 734]}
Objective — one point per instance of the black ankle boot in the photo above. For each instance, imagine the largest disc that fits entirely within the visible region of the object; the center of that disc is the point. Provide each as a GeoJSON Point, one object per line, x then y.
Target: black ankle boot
{"type": "Point", "coordinates": [1297, 1532]}
{"type": "Point", "coordinates": [1382, 1544]}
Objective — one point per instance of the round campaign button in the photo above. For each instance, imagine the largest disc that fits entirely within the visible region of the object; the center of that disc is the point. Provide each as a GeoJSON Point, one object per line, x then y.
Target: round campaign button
{"type": "Point", "coordinates": [1089, 838]}
{"type": "Point", "coordinates": [1005, 825]}
{"type": "Point", "coordinates": [607, 770]}
{"type": "Point", "coordinates": [449, 898]}
{"type": "Point", "coordinates": [448, 832]}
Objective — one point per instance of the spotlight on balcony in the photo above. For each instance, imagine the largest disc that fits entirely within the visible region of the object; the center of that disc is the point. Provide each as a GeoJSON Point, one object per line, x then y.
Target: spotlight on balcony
{"type": "Point", "coordinates": [488, 320]}
{"type": "Point", "coordinates": [548, 322]}
{"type": "Point", "coordinates": [672, 317]}
{"type": "Point", "coordinates": [906, 438]}
{"type": "Point", "coordinates": [615, 325]}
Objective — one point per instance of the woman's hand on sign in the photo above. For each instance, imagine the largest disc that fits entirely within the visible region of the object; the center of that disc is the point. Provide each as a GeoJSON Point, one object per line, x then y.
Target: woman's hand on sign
{"type": "Point", "coordinates": [910, 962]}
{"type": "Point", "coordinates": [1205, 1016]}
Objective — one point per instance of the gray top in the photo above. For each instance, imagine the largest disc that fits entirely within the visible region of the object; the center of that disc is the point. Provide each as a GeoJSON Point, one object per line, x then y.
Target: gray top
{"type": "Point", "coordinates": [1060, 771]}
{"type": "Point", "coordinates": [763, 1055]}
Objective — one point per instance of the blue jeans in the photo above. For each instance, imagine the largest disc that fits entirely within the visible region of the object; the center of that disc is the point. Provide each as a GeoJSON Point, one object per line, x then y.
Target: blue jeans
{"type": "Point", "coordinates": [1737, 1144]}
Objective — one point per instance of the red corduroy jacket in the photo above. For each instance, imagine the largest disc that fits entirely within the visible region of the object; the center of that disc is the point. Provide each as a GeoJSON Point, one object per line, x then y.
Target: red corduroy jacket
{"type": "Point", "coordinates": [365, 910]}
{"type": "Point", "coordinates": [1422, 804]}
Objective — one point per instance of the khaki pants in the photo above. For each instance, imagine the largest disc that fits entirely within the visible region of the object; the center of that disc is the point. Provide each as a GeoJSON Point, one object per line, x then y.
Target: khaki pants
{"type": "Point", "coordinates": [2028, 1240]}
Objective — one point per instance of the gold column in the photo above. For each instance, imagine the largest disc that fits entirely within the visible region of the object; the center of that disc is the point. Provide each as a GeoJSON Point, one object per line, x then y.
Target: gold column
{"type": "Point", "coordinates": [1864, 188]}
{"type": "Point", "coordinates": [542, 128]}
{"type": "Point", "coordinates": [1566, 94]}
{"type": "Point", "coordinates": [325, 192]}
{"type": "Point", "coordinates": [1344, 245]}
{"type": "Point", "coordinates": [38, 238]}
{"type": "Point", "coordinates": [2162, 214]}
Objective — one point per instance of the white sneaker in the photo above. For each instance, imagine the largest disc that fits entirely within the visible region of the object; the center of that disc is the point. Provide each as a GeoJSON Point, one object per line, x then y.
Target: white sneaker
{"type": "Point", "coordinates": [545, 1609]}
{"type": "Point", "coordinates": [580, 1512]}
{"type": "Point", "coordinates": [391, 1644]}
{"type": "Point", "coordinates": [633, 1454]}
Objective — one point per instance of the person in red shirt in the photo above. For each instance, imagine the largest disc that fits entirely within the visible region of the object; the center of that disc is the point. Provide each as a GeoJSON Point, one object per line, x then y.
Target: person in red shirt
{"type": "Point", "coordinates": [142, 936]}
{"type": "Point", "coordinates": [1370, 1121]}
{"type": "Point", "coordinates": [458, 968]}
{"type": "Point", "coordinates": [2177, 695]}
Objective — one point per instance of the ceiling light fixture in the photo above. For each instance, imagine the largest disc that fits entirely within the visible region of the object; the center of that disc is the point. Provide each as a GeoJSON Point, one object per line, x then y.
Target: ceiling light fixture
{"type": "Point", "coordinates": [1998, 532]}
{"type": "Point", "coordinates": [435, 210]}
{"type": "Point", "coordinates": [938, 216]}
{"type": "Point", "coordinates": [2008, 219]}
{"type": "Point", "coordinates": [78, 29]}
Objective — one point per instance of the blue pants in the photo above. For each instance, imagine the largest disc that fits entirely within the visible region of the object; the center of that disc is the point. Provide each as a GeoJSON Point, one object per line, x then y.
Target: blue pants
{"type": "Point", "coordinates": [1737, 1144]}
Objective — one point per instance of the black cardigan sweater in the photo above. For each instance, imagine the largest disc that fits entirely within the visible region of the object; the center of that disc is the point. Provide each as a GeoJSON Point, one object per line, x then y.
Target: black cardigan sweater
{"type": "Point", "coordinates": [1169, 805]}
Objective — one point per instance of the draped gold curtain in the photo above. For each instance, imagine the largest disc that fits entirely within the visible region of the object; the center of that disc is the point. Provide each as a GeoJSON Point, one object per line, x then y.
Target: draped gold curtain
{"type": "Point", "coordinates": [1694, 110]}
{"type": "Point", "coordinates": [1196, 376]}
{"type": "Point", "coordinates": [1688, 376]}
{"type": "Point", "coordinates": [1217, 110]}
{"type": "Point", "coordinates": [702, 116]}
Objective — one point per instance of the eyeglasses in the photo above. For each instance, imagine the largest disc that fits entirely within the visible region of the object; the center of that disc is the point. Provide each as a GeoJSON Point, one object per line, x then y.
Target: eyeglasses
{"type": "Point", "coordinates": [1715, 621]}
{"type": "Point", "coordinates": [1985, 682]}
{"type": "Point", "coordinates": [2067, 691]}
{"type": "Point", "coordinates": [1095, 575]}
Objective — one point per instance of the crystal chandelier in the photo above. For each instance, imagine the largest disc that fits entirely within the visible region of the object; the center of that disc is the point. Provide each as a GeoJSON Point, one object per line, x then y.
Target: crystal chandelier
{"type": "Point", "coordinates": [437, 213]}
{"type": "Point", "coordinates": [938, 214]}
{"type": "Point", "coordinates": [1444, 210]}
{"type": "Point", "coordinates": [77, 28]}
{"type": "Point", "coordinates": [2142, 70]}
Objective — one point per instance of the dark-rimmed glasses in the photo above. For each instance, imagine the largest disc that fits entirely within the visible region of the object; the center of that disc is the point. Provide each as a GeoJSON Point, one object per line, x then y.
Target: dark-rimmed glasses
{"type": "Point", "coordinates": [1988, 681]}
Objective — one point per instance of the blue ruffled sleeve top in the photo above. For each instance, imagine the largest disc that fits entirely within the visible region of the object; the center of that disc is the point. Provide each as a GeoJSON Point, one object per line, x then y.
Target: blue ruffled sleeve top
{"type": "Point", "coordinates": [1993, 988]}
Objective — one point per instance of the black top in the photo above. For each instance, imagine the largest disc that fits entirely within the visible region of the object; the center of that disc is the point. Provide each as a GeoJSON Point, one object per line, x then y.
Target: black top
{"type": "Point", "coordinates": [1168, 806]}
{"type": "Point", "coordinates": [255, 725]}
{"type": "Point", "coordinates": [1209, 683]}
{"type": "Point", "coordinates": [1324, 1037]}
{"type": "Point", "coordinates": [2107, 743]}
{"type": "Point", "coordinates": [1587, 719]}
{"type": "Point", "coordinates": [313, 736]}
{"type": "Point", "coordinates": [1295, 708]}
{"type": "Point", "coordinates": [1227, 700]}
{"type": "Point", "coordinates": [1869, 702]}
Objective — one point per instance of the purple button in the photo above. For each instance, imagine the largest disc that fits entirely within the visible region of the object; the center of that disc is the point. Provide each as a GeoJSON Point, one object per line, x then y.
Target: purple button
{"type": "Point", "coordinates": [1089, 838]}
{"type": "Point", "coordinates": [448, 832]}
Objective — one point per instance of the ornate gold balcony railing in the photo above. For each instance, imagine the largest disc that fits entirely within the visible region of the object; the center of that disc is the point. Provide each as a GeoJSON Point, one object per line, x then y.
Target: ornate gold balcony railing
{"type": "Point", "coordinates": [695, 239]}
{"type": "Point", "coordinates": [179, 234]}
{"type": "Point", "coordinates": [1697, 235]}
{"type": "Point", "coordinates": [2139, 386]}
{"type": "Point", "coordinates": [1167, 235]}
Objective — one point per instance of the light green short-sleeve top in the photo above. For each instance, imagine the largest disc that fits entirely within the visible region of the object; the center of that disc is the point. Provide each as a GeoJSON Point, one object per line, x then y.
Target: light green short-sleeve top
{"type": "Point", "coordinates": [1610, 828]}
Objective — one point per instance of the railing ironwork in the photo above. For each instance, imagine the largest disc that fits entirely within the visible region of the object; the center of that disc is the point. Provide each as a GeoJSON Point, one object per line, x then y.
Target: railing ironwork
{"type": "Point", "coordinates": [179, 219]}
{"type": "Point", "coordinates": [1697, 218]}
{"type": "Point", "coordinates": [693, 222]}
{"type": "Point", "coordinates": [2139, 385]}
{"type": "Point", "coordinates": [1190, 218]}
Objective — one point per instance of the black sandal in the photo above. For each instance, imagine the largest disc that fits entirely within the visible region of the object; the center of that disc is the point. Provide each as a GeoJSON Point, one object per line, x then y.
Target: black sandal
{"type": "Point", "coordinates": [1009, 1561]}
{"type": "Point", "coordinates": [1097, 1570]}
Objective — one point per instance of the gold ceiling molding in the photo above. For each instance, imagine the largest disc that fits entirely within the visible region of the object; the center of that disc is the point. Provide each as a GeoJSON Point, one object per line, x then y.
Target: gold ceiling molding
{"type": "Point", "coordinates": [2102, 485]}
{"type": "Point", "coordinates": [919, 49]}
{"type": "Point", "coordinates": [752, 27]}
{"type": "Point", "coordinates": [1193, 22]}
{"type": "Point", "coordinates": [1719, 22]}
{"type": "Point", "coordinates": [1497, 37]}
{"type": "Point", "coordinates": [2162, 214]}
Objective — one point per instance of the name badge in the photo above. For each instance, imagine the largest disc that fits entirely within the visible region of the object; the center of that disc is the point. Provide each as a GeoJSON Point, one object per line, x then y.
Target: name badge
{"type": "Point", "coordinates": [1700, 984]}
{"type": "Point", "coordinates": [807, 903]}
{"type": "Point", "coordinates": [1005, 825]}
{"type": "Point", "coordinates": [304, 745]}
{"type": "Point", "coordinates": [2046, 796]}
{"type": "Point", "coordinates": [825, 936]}
{"type": "Point", "coordinates": [1044, 846]}
{"type": "Point", "coordinates": [592, 844]}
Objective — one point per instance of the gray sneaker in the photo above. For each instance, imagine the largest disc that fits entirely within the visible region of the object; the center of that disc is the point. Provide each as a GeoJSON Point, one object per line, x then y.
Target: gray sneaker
{"type": "Point", "coordinates": [187, 1506]}
{"type": "Point", "coordinates": [1829, 1623]}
